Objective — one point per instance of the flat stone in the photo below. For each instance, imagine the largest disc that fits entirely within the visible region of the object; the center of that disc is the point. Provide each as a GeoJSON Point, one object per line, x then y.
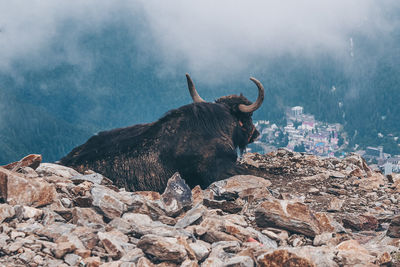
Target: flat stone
{"type": "Point", "coordinates": [283, 258]}
{"type": "Point", "coordinates": [25, 212]}
{"type": "Point", "coordinates": [240, 186]}
{"type": "Point", "coordinates": [92, 262]}
{"type": "Point", "coordinates": [394, 228]}
{"type": "Point", "coordinates": [6, 212]}
{"type": "Point", "coordinates": [86, 216]}
{"type": "Point", "coordinates": [163, 248]}
{"type": "Point", "coordinates": [113, 243]}
{"type": "Point", "coordinates": [201, 249]}
{"type": "Point", "coordinates": [141, 224]}
{"type": "Point", "coordinates": [95, 178]}
{"type": "Point", "coordinates": [191, 216]}
{"type": "Point", "coordinates": [335, 204]}
{"type": "Point", "coordinates": [63, 248]}
{"type": "Point", "coordinates": [22, 191]}
{"type": "Point", "coordinates": [49, 169]}
{"type": "Point", "coordinates": [108, 201]}
{"type": "Point", "coordinates": [242, 261]}
{"type": "Point", "coordinates": [360, 222]}
{"type": "Point", "coordinates": [292, 216]}
{"type": "Point", "coordinates": [72, 259]}
{"type": "Point", "coordinates": [132, 255]}
{"type": "Point", "coordinates": [33, 161]}
{"type": "Point", "coordinates": [351, 253]}
{"type": "Point", "coordinates": [56, 230]}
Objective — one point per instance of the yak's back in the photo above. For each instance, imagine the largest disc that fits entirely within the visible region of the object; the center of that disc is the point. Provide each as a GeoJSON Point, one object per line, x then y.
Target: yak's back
{"type": "Point", "coordinates": [108, 144]}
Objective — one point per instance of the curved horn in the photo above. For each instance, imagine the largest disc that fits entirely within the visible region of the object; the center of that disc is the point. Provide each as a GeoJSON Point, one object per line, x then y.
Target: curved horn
{"type": "Point", "coordinates": [192, 90]}
{"type": "Point", "coordinates": [260, 99]}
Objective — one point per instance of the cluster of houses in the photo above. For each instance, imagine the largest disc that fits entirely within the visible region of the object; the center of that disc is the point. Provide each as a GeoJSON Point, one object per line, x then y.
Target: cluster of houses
{"type": "Point", "coordinates": [302, 133]}
{"type": "Point", "coordinates": [377, 159]}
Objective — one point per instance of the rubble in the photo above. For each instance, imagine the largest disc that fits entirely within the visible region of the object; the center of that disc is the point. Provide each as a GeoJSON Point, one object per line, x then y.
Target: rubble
{"type": "Point", "coordinates": [296, 210]}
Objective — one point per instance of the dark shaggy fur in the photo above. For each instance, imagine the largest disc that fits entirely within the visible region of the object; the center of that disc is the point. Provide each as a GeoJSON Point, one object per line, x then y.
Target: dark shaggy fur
{"type": "Point", "coordinates": [198, 140]}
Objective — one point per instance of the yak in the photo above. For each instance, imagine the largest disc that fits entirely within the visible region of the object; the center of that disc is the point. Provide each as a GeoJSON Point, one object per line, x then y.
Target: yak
{"type": "Point", "coordinates": [198, 140]}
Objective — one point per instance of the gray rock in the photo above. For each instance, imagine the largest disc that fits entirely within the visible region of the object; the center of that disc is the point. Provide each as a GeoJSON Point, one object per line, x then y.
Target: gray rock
{"type": "Point", "coordinates": [6, 212]}
{"type": "Point", "coordinates": [191, 216]}
{"type": "Point", "coordinates": [108, 201]}
{"type": "Point", "coordinates": [132, 255]}
{"type": "Point", "coordinates": [201, 249]}
{"type": "Point", "coordinates": [113, 243]}
{"type": "Point", "coordinates": [72, 259]}
{"type": "Point", "coordinates": [163, 248]}
{"type": "Point", "coordinates": [48, 169]}
{"type": "Point", "coordinates": [177, 196]}
{"type": "Point", "coordinates": [142, 224]}
{"type": "Point", "coordinates": [95, 178]}
{"type": "Point", "coordinates": [239, 261]}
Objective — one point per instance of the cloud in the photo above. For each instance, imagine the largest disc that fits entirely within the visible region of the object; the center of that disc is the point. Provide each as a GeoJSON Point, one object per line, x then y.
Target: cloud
{"type": "Point", "coordinates": [206, 36]}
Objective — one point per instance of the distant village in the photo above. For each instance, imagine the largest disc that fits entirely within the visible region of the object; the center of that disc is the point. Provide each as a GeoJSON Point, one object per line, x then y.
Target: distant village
{"type": "Point", "coordinates": [303, 133]}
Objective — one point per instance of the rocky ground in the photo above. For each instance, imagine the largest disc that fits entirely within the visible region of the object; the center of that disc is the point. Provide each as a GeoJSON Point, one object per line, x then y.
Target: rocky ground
{"type": "Point", "coordinates": [309, 211]}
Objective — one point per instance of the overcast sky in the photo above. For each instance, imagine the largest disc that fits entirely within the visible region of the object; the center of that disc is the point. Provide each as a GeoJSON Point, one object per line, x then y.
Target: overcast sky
{"type": "Point", "coordinates": [207, 36]}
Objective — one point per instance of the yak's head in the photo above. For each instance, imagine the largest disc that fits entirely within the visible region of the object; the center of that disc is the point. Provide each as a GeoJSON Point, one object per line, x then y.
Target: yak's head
{"type": "Point", "coordinates": [241, 110]}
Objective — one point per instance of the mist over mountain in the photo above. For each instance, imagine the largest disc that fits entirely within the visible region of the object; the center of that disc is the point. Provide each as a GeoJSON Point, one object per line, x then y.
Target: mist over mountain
{"type": "Point", "coordinates": [68, 71]}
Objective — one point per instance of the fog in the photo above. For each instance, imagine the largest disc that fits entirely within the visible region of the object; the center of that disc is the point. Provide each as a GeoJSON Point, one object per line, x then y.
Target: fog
{"type": "Point", "coordinates": [207, 37]}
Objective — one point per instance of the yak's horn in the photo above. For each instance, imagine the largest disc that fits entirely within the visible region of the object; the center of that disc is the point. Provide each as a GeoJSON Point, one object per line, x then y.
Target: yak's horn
{"type": "Point", "coordinates": [195, 96]}
{"type": "Point", "coordinates": [260, 99]}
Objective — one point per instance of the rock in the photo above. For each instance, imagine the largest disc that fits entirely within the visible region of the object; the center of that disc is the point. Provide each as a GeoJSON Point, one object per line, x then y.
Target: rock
{"type": "Point", "coordinates": [162, 248]}
{"type": "Point", "coordinates": [113, 243]}
{"type": "Point", "coordinates": [201, 249]}
{"type": "Point", "coordinates": [27, 256]}
{"type": "Point", "coordinates": [83, 253]}
{"type": "Point", "coordinates": [327, 224]}
{"type": "Point", "coordinates": [108, 201]}
{"type": "Point", "coordinates": [88, 236]}
{"type": "Point", "coordinates": [71, 238]}
{"type": "Point", "coordinates": [197, 195]}
{"type": "Point", "coordinates": [86, 217]}
{"type": "Point", "coordinates": [141, 224]}
{"type": "Point", "coordinates": [322, 239]}
{"type": "Point", "coordinates": [297, 240]}
{"type": "Point", "coordinates": [132, 255]}
{"type": "Point", "coordinates": [360, 222]}
{"type": "Point", "coordinates": [95, 178]}
{"type": "Point", "coordinates": [351, 253]}
{"type": "Point", "coordinates": [25, 212]}
{"type": "Point", "coordinates": [283, 258]}
{"type": "Point", "coordinates": [49, 169]}
{"type": "Point", "coordinates": [319, 256]}
{"type": "Point", "coordinates": [33, 161]}
{"type": "Point", "coordinates": [6, 212]}
{"type": "Point", "coordinates": [394, 228]}
{"type": "Point", "coordinates": [92, 262]}
{"type": "Point", "coordinates": [56, 230]}
{"type": "Point", "coordinates": [374, 181]}
{"type": "Point", "coordinates": [177, 196]}
{"type": "Point", "coordinates": [191, 216]}
{"type": "Point", "coordinates": [63, 248]}
{"type": "Point", "coordinates": [335, 204]}
{"type": "Point", "coordinates": [72, 259]}
{"type": "Point", "coordinates": [212, 236]}
{"type": "Point", "coordinates": [227, 206]}
{"type": "Point", "coordinates": [242, 261]}
{"type": "Point", "coordinates": [293, 216]}
{"type": "Point", "coordinates": [21, 191]}
{"type": "Point", "coordinates": [240, 186]}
